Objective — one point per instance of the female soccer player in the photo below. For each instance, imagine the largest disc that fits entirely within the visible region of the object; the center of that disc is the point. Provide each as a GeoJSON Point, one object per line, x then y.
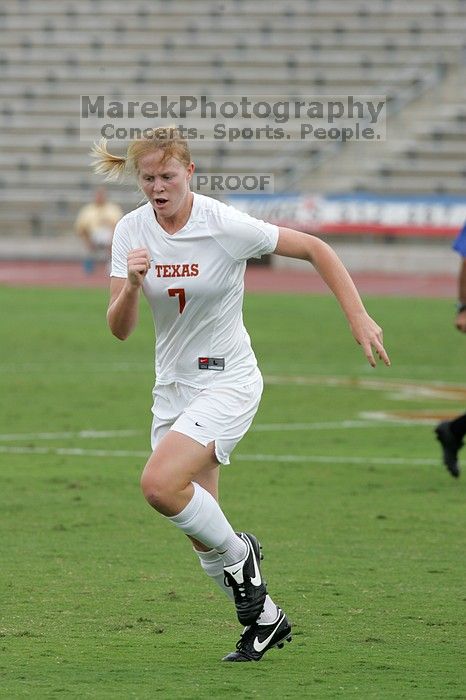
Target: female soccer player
{"type": "Point", "coordinates": [187, 253]}
{"type": "Point", "coordinates": [451, 433]}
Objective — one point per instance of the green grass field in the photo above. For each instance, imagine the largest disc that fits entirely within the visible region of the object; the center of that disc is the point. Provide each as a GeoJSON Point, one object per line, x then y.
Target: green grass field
{"type": "Point", "coordinates": [363, 530]}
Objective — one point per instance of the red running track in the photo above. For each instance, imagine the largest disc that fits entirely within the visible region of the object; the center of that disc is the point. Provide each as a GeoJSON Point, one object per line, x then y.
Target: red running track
{"type": "Point", "coordinates": [258, 279]}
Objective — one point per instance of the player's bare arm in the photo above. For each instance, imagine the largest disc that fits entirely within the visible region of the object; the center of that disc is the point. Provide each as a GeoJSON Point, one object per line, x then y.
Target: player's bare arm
{"type": "Point", "coordinates": [122, 314]}
{"type": "Point", "coordinates": [295, 244]}
{"type": "Point", "coordinates": [85, 234]}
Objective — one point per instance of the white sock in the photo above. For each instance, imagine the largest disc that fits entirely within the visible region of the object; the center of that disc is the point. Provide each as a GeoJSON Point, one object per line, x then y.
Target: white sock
{"type": "Point", "coordinates": [269, 613]}
{"type": "Point", "coordinates": [212, 563]}
{"type": "Point", "coordinates": [233, 549]}
{"type": "Point", "coordinates": [204, 520]}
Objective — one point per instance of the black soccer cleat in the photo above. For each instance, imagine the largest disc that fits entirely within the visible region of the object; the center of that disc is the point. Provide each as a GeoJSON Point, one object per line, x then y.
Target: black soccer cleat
{"type": "Point", "coordinates": [259, 638]}
{"type": "Point", "coordinates": [450, 447]}
{"type": "Point", "coordinates": [245, 579]}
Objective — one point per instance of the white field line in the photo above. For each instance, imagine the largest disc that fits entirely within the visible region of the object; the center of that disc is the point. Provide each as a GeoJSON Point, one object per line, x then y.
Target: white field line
{"type": "Point", "coordinates": [316, 459]}
{"type": "Point", "coordinates": [91, 368]}
{"type": "Point", "coordinates": [365, 382]}
{"type": "Point", "coordinates": [81, 434]}
{"type": "Point", "coordinates": [328, 459]}
{"type": "Point", "coordinates": [392, 420]}
{"type": "Point", "coordinates": [397, 388]}
{"type": "Point", "coordinates": [71, 451]}
{"type": "Point", "coordinates": [374, 420]}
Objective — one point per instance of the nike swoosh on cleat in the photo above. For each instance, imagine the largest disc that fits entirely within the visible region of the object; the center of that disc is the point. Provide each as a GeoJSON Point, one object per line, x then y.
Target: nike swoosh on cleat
{"type": "Point", "coordinates": [256, 579]}
{"type": "Point", "coordinates": [260, 646]}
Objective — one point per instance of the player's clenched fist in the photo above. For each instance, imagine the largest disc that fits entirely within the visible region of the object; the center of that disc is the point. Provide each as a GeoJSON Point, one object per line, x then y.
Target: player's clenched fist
{"type": "Point", "coordinates": [138, 266]}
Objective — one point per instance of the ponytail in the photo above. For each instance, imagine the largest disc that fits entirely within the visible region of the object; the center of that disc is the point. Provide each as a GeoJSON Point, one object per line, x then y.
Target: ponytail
{"type": "Point", "coordinates": [105, 163]}
{"type": "Point", "coordinates": [168, 139]}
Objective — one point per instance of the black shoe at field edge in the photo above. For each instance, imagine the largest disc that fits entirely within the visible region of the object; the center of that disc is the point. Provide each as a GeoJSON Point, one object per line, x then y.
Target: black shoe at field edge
{"type": "Point", "coordinates": [450, 447]}
{"type": "Point", "coordinates": [257, 639]}
{"type": "Point", "coordinates": [249, 589]}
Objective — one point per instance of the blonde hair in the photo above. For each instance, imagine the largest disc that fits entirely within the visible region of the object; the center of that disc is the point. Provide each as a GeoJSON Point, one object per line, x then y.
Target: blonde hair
{"type": "Point", "coordinates": [165, 138]}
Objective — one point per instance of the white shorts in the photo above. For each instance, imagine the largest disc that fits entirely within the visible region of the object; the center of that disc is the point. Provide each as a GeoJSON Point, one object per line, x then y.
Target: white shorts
{"type": "Point", "coordinates": [217, 414]}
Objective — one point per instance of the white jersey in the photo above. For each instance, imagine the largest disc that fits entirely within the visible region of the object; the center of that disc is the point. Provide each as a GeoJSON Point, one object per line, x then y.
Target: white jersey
{"type": "Point", "coordinates": [195, 289]}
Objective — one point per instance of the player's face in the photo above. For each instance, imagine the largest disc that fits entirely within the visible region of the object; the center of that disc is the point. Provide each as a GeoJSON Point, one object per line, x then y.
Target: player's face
{"type": "Point", "coordinates": [166, 185]}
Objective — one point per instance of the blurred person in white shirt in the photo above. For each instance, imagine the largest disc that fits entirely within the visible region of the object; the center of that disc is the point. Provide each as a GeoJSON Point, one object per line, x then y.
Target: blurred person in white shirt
{"type": "Point", "coordinates": [95, 224]}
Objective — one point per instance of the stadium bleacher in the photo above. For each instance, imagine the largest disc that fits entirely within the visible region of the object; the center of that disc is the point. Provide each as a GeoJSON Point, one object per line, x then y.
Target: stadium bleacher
{"type": "Point", "coordinates": [53, 51]}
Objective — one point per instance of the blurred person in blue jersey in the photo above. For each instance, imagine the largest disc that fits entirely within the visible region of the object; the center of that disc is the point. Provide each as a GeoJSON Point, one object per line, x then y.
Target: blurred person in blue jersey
{"type": "Point", "coordinates": [451, 433]}
{"type": "Point", "coordinates": [95, 224]}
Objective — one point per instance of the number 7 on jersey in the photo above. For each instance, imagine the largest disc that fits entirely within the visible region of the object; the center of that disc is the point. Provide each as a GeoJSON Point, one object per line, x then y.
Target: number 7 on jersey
{"type": "Point", "coordinates": [181, 297]}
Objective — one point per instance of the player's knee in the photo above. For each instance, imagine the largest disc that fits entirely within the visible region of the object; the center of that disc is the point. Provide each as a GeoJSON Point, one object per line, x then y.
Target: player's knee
{"type": "Point", "coordinates": [155, 489]}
